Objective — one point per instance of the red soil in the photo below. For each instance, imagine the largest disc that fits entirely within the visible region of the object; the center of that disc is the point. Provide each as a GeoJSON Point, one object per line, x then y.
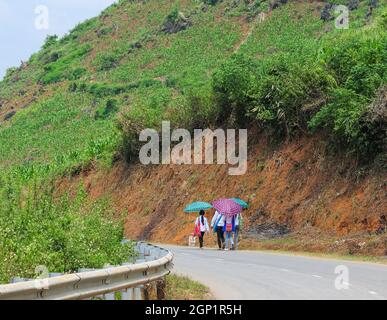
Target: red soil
{"type": "Point", "coordinates": [293, 184]}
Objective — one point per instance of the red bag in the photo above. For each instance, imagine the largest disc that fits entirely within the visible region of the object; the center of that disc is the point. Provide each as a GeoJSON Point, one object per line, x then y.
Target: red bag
{"type": "Point", "coordinates": [197, 230]}
{"type": "Point", "coordinates": [229, 227]}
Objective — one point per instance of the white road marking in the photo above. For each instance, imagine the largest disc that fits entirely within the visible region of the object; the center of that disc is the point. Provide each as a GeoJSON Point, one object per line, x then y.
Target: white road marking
{"type": "Point", "coordinates": [285, 270]}
{"type": "Point", "coordinates": [372, 292]}
{"type": "Point", "coordinates": [316, 276]}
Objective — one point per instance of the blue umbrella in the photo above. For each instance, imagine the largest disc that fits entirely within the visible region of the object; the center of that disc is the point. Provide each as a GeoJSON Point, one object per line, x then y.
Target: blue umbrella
{"type": "Point", "coordinates": [242, 203]}
{"type": "Point", "coordinates": [197, 206]}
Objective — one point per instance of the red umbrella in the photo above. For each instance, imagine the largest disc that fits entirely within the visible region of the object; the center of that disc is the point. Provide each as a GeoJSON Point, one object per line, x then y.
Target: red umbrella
{"type": "Point", "coordinates": [227, 207]}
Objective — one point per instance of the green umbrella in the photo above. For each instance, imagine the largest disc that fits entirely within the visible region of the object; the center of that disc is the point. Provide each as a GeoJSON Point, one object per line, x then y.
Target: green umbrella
{"type": "Point", "coordinates": [242, 203]}
{"type": "Point", "coordinates": [197, 206]}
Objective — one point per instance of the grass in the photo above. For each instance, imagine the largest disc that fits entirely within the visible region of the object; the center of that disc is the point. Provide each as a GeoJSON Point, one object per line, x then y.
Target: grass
{"type": "Point", "coordinates": [183, 288]}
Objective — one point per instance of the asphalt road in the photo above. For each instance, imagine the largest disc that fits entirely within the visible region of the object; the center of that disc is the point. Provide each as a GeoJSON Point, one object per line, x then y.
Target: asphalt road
{"type": "Point", "coordinates": [257, 275]}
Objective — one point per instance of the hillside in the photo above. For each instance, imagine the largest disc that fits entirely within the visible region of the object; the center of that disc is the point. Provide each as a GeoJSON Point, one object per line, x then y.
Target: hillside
{"type": "Point", "coordinates": [312, 96]}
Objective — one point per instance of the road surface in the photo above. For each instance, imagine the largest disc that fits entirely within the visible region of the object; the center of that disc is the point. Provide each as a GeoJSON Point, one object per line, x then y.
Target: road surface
{"type": "Point", "coordinates": [257, 275]}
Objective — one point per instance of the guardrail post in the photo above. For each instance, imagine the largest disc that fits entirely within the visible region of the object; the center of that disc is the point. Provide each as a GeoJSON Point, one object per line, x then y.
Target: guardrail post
{"type": "Point", "coordinates": [110, 296]}
{"type": "Point", "coordinates": [160, 289]}
{"type": "Point", "coordinates": [138, 293]}
{"type": "Point", "coordinates": [147, 291]}
{"type": "Point", "coordinates": [127, 294]}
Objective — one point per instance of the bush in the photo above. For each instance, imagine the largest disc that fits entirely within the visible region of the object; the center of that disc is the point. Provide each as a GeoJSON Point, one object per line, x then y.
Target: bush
{"type": "Point", "coordinates": [358, 62]}
{"type": "Point", "coordinates": [233, 85]}
{"type": "Point", "coordinates": [62, 234]}
{"type": "Point", "coordinates": [107, 60]}
{"type": "Point", "coordinates": [273, 92]}
{"type": "Point", "coordinates": [101, 90]}
{"type": "Point", "coordinates": [130, 125]}
{"type": "Point", "coordinates": [359, 65]}
{"type": "Point", "coordinates": [331, 91]}
{"type": "Point", "coordinates": [211, 2]}
{"type": "Point", "coordinates": [59, 70]}
{"type": "Point", "coordinates": [109, 108]}
{"type": "Point", "coordinates": [50, 41]}
{"type": "Point", "coordinates": [342, 116]}
{"type": "Point", "coordinates": [284, 89]}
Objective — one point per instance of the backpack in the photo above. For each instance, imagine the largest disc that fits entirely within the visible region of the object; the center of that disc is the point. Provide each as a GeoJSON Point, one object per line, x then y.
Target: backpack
{"type": "Point", "coordinates": [229, 227]}
{"type": "Point", "coordinates": [216, 223]}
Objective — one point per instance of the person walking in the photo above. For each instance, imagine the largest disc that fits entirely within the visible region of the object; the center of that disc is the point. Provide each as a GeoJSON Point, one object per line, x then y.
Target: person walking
{"type": "Point", "coordinates": [229, 228]}
{"type": "Point", "coordinates": [238, 227]}
{"type": "Point", "coordinates": [201, 227]}
{"type": "Point", "coordinates": [217, 224]}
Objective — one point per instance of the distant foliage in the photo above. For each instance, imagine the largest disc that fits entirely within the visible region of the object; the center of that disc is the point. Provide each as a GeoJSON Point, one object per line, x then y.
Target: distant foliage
{"type": "Point", "coordinates": [107, 60]}
{"type": "Point", "coordinates": [332, 90]}
{"type": "Point", "coordinates": [211, 2]}
{"type": "Point", "coordinates": [65, 66]}
{"type": "Point", "coordinates": [109, 108]}
{"type": "Point", "coordinates": [273, 93]}
{"type": "Point", "coordinates": [359, 65]}
{"type": "Point", "coordinates": [234, 83]}
{"type": "Point", "coordinates": [50, 41]}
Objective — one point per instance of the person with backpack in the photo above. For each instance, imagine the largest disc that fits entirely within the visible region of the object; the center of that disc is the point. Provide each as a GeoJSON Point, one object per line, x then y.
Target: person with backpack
{"type": "Point", "coordinates": [229, 228]}
{"type": "Point", "coordinates": [201, 227]}
{"type": "Point", "coordinates": [217, 224]}
{"type": "Point", "coordinates": [238, 227]}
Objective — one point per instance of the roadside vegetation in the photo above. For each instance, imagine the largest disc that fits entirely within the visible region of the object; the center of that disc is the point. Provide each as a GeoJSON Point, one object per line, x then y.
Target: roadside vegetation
{"type": "Point", "coordinates": [81, 101]}
{"type": "Point", "coordinates": [183, 288]}
{"type": "Point", "coordinates": [62, 234]}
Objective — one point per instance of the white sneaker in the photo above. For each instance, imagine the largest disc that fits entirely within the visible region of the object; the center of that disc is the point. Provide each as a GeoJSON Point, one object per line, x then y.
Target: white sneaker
{"type": "Point", "coordinates": [226, 249]}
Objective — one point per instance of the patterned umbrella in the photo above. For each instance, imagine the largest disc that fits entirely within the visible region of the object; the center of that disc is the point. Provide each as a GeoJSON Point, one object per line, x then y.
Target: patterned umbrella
{"type": "Point", "coordinates": [227, 207]}
{"type": "Point", "coordinates": [197, 206]}
{"type": "Point", "coordinates": [244, 204]}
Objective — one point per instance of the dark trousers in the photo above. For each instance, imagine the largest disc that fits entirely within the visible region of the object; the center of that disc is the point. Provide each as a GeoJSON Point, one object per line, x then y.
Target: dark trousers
{"type": "Point", "coordinates": [201, 239]}
{"type": "Point", "coordinates": [220, 236]}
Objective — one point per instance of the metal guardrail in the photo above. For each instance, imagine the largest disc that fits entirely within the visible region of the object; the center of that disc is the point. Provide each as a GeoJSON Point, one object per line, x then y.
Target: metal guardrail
{"type": "Point", "coordinates": [152, 265]}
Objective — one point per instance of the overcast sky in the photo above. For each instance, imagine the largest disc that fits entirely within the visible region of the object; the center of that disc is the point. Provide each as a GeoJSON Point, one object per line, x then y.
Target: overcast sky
{"type": "Point", "coordinates": [19, 37]}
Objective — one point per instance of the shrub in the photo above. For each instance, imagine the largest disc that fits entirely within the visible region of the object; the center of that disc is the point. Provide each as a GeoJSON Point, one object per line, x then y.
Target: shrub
{"type": "Point", "coordinates": [107, 60]}
{"type": "Point", "coordinates": [62, 234]}
{"type": "Point", "coordinates": [341, 115]}
{"type": "Point", "coordinates": [130, 125]}
{"type": "Point", "coordinates": [284, 89]}
{"type": "Point", "coordinates": [233, 84]}
{"type": "Point", "coordinates": [359, 64]}
{"type": "Point", "coordinates": [359, 61]}
{"type": "Point", "coordinates": [59, 70]}
{"type": "Point", "coordinates": [374, 122]}
{"type": "Point", "coordinates": [109, 108]}
{"type": "Point", "coordinates": [273, 92]}
{"type": "Point", "coordinates": [211, 2]}
{"type": "Point", "coordinates": [50, 41]}
{"type": "Point", "coordinates": [101, 90]}
{"type": "Point", "coordinates": [175, 22]}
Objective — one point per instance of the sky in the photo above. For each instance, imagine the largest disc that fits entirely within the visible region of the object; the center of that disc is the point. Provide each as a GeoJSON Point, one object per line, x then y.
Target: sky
{"type": "Point", "coordinates": [23, 24]}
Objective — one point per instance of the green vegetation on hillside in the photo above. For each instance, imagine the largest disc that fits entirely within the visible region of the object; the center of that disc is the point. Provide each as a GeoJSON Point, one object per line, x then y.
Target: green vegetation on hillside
{"type": "Point", "coordinates": [62, 234]}
{"type": "Point", "coordinates": [81, 101]}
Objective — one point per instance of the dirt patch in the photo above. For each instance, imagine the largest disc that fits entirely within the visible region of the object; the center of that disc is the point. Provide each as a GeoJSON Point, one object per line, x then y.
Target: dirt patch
{"type": "Point", "coordinates": [292, 189]}
{"type": "Point", "coordinates": [267, 231]}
